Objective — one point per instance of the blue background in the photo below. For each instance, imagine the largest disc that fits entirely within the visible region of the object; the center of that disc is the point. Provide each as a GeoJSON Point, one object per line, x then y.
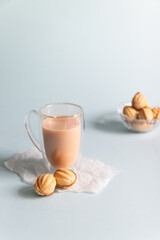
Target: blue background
{"type": "Point", "coordinates": [96, 54]}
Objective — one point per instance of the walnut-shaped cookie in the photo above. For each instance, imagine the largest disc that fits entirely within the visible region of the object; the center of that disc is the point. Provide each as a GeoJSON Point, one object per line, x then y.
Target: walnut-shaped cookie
{"type": "Point", "coordinates": [45, 184]}
{"type": "Point", "coordinates": [140, 101]}
{"type": "Point", "coordinates": [130, 112]}
{"type": "Point", "coordinates": [145, 114]}
{"type": "Point", "coordinates": [65, 178]}
{"type": "Point", "coordinates": [156, 113]}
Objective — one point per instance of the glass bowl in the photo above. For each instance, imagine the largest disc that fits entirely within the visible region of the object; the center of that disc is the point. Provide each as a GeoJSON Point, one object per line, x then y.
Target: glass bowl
{"type": "Point", "coordinates": [137, 125]}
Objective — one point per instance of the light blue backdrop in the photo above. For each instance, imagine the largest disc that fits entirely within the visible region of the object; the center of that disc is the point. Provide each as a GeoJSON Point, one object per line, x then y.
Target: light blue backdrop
{"type": "Point", "coordinates": [96, 54]}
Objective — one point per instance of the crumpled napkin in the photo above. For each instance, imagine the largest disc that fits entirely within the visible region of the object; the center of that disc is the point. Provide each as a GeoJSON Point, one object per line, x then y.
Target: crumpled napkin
{"type": "Point", "coordinates": [92, 175]}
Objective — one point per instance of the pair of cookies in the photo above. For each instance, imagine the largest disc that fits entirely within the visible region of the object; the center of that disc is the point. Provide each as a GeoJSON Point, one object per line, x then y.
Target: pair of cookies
{"type": "Point", "coordinates": [141, 109]}
{"type": "Point", "coordinates": [46, 183]}
{"type": "Point", "coordinates": [143, 114]}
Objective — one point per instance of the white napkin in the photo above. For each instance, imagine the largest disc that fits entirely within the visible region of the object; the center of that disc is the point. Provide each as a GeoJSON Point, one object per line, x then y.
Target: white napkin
{"type": "Point", "coordinates": [92, 175]}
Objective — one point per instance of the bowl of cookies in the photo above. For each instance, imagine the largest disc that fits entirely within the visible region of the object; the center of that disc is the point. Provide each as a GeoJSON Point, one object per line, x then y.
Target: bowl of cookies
{"type": "Point", "coordinates": [138, 116]}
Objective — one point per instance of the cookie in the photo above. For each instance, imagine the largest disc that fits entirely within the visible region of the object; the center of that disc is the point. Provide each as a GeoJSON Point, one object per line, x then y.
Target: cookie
{"type": "Point", "coordinates": [130, 112]}
{"type": "Point", "coordinates": [45, 184]}
{"type": "Point", "coordinates": [65, 178]}
{"type": "Point", "coordinates": [140, 101]}
{"type": "Point", "coordinates": [145, 114]}
{"type": "Point", "coordinates": [156, 113]}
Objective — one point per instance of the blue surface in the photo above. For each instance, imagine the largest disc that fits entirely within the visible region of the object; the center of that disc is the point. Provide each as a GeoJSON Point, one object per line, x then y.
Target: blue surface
{"type": "Point", "coordinates": [96, 54]}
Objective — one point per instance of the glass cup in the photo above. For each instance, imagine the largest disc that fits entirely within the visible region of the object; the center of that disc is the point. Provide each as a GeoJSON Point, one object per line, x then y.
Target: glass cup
{"type": "Point", "coordinates": [61, 130]}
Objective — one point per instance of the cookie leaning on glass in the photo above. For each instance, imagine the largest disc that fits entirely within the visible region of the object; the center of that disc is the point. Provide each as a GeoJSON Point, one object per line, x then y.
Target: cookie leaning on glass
{"type": "Point", "coordinates": [65, 178]}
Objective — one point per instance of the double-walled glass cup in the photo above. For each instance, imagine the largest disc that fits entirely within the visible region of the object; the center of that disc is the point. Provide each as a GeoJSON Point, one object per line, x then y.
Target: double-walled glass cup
{"type": "Point", "coordinates": [61, 128]}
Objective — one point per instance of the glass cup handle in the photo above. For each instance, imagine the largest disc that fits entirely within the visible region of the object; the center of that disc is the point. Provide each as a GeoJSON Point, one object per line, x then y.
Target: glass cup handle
{"type": "Point", "coordinates": [30, 132]}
